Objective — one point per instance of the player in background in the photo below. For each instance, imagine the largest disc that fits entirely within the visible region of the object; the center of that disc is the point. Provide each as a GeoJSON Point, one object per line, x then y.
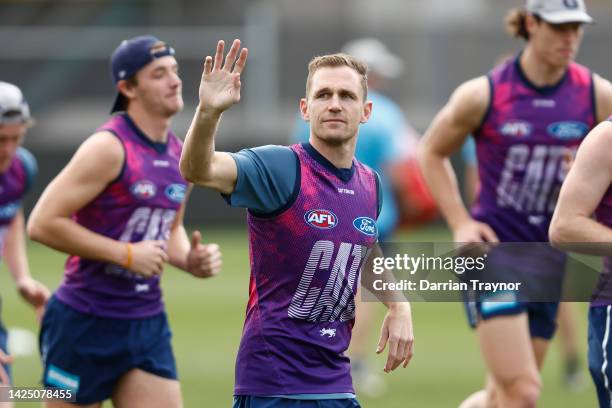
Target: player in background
{"type": "Point", "coordinates": [117, 210]}
{"type": "Point", "coordinates": [311, 214]}
{"type": "Point", "coordinates": [587, 191]}
{"type": "Point", "coordinates": [382, 145]}
{"type": "Point", "coordinates": [567, 321]}
{"type": "Point", "coordinates": [17, 173]}
{"type": "Point", "coordinates": [526, 114]}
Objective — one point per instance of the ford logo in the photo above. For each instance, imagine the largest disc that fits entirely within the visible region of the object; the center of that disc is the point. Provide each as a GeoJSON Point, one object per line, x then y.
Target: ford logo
{"type": "Point", "coordinates": [365, 225]}
{"type": "Point", "coordinates": [568, 130]}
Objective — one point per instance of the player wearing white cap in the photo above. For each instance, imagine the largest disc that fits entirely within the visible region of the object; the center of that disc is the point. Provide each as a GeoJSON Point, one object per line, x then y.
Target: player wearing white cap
{"type": "Point", "coordinates": [17, 171]}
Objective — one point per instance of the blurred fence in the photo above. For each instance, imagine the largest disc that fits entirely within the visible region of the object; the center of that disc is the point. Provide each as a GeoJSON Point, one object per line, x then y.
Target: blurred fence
{"type": "Point", "coordinates": [57, 51]}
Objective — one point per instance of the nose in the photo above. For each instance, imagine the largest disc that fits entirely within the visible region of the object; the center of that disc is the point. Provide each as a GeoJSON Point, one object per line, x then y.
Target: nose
{"type": "Point", "coordinates": [334, 103]}
{"type": "Point", "coordinates": [175, 80]}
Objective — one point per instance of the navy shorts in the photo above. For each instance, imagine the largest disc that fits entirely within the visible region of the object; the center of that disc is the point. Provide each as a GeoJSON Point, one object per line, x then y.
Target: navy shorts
{"type": "Point", "coordinates": [89, 354]}
{"type": "Point", "coordinates": [4, 348]}
{"type": "Point", "coordinates": [600, 352]}
{"type": "Point", "coordinates": [248, 401]}
{"type": "Point", "coordinates": [542, 316]}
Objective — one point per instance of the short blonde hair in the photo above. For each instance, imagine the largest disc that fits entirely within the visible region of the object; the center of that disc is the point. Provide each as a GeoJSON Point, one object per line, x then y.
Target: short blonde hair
{"type": "Point", "coordinates": [338, 60]}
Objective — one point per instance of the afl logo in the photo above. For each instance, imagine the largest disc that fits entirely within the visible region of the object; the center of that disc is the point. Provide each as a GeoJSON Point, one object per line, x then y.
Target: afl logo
{"type": "Point", "coordinates": [143, 189]}
{"type": "Point", "coordinates": [321, 219]}
{"type": "Point", "coordinates": [365, 225]}
{"type": "Point", "coordinates": [516, 128]}
{"type": "Point", "coordinates": [176, 192]}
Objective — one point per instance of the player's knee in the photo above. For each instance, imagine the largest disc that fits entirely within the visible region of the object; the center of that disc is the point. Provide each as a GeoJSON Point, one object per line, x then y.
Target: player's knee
{"type": "Point", "coordinates": [524, 391]}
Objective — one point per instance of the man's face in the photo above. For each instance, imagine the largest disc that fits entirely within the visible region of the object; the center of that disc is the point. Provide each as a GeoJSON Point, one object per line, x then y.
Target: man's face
{"type": "Point", "coordinates": [557, 44]}
{"type": "Point", "coordinates": [159, 87]}
{"type": "Point", "coordinates": [335, 105]}
{"type": "Point", "coordinates": [11, 137]}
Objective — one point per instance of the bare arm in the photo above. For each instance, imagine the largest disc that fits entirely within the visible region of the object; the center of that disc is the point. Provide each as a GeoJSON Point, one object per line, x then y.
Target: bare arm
{"type": "Point", "coordinates": [462, 115]}
{"type": "Point", "coordinates": [396, 330]}
{"type": "Point", "coordinates": [202, 261]}
{"type": "Point", "coordinates": [34, 292]}
{"type": "Point", "coordinates": [95, 164]}
{"type": "Point", "coordinates": [219, 90]}
{"type": "Point", "coordinates": [603, 97]}
{"type": "Point", "coordinates": [572, 227]}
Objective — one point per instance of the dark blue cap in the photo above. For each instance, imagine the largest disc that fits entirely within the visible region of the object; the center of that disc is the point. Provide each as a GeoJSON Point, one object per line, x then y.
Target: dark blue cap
{"type": "Point", "coordinates": [131, 56]}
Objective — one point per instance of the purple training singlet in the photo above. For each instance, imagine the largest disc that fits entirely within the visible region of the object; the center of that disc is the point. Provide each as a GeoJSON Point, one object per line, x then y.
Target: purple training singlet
{"type": "Point", "coordinates": [305, 267]}
{"type": "Point", "coordinates": [14, 184]}
{"type": "Point", "coordinates": [524, 147]}
{"type": "Point", "coordinates": [141, 204]}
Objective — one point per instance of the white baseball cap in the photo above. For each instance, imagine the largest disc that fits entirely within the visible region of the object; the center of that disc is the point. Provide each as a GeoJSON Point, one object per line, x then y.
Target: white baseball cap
{"type": "Point", "coordinates": [13, 106]}
{"type": "Point", "coordinates": [376, 54]}
{"type": "Point", "coordinates": [560, 11]}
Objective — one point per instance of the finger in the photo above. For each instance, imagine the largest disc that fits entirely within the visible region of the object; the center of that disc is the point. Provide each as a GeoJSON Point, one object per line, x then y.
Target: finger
{"type": "Point", "coordinates": [219, 55]}
{"type": "Point", "coordinates": [164, 258]}
{"type": "Point", "coordinates": [409, 353]}
{"type": "Point", "coordinates": [160, 244]}
{"type": "Point", "coordinates": [196, 237]}
{"type": "Point", "coordinates": [231, 56]}
{"type": "Point", "coordinates": [489, 234]}
{"type": "Point", "coordinates": [392, 359]}
{"type": "Point", "coordinates": [208, 61]}
{"type": "Point", "coordinates": [382, 341]}
{"type": "Point", "coordinates": [241, 63]}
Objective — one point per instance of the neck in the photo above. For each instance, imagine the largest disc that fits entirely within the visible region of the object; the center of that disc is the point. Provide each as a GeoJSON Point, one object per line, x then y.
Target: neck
{"type": "Point", "coordinates": [538, 71]}
{"type": "Point", "coordinates": [154, 127]}
{"type": "Point", "coordinates": [340, 155]}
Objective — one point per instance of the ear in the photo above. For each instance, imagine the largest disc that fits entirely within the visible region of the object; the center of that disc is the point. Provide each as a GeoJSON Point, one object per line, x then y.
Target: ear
{"type": "Point", "coordinates": [126, 89]}
{"type": "Point", "coordinates": [530, 23]}
{"type": "Point", "coordinates": [304, 110]}
{"type": "Point", "coordinates": [367, 111]}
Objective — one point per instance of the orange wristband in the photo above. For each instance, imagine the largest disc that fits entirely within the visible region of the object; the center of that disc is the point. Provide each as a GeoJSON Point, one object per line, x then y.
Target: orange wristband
{"type": "Point", "coordinates": [128, 261]}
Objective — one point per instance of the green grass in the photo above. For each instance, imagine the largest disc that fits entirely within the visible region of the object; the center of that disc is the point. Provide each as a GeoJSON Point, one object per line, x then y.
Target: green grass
{"type": "Point", "coordinates": [207, 317]}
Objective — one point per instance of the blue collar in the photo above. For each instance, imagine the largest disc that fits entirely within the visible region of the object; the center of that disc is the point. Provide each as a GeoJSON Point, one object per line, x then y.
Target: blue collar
{"type": "Point", "coordinates": [343, 174]}
{"type": "Point", "coordinates": [157, 146]}
{"type": "Point", "coordinates": [544, 90]}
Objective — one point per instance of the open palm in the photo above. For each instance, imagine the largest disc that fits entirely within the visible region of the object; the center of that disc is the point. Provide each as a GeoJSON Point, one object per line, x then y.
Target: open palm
{"type": "Point", "coordinates": [220, 85]}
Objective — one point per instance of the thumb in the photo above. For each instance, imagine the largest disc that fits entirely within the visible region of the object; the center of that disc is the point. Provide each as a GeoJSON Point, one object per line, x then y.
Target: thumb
{"type": "Point", "coordinates": [196, 237]}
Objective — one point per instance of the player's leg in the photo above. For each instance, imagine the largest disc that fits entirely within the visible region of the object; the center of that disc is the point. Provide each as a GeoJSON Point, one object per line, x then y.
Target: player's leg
{"type": "Point", "coordinates": [152, 381]}
{"type": "Point", "coordinates": [508, 352]}
{"type": "Point", "coordinates": [570, 348]}
{"type": "Point", "coordinates": [5, 367]}
{"type": "Point", "coordinates": [139, 389]}
{"type": "Point", "coordinates": [82, 353]}
{"type": "Point", "coordinates": [600, 352]}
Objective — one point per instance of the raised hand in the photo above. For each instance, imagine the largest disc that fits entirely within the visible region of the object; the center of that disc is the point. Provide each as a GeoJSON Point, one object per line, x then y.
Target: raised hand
{"type": "Point", "coordinates": [220, 84]}
{"type": "Point", "coordinates": [203, 261]}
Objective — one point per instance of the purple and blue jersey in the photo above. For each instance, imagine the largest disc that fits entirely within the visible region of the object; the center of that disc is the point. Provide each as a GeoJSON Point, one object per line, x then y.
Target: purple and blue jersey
{"type": "Point", "coordinates": [14, 185]}
{"type": "Point", "coordinates": [603, 214]}
{"type": "Point", "coordinates": [524, 146]}
{"type": "Point", "coordinates": [140, 204]}
{"type": "Point", "coordinates": [306, 253]}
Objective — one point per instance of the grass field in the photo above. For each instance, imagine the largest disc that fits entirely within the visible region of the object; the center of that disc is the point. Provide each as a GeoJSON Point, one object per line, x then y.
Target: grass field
{"type": "Point", "coordinates": [207, 316]}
